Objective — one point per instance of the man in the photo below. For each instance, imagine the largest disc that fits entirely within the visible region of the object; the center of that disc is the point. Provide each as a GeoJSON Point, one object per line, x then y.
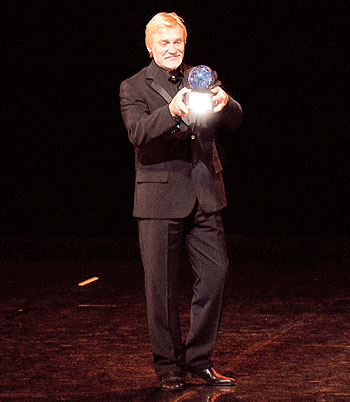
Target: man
{"type": "Point", "coordinates": [179, 193]}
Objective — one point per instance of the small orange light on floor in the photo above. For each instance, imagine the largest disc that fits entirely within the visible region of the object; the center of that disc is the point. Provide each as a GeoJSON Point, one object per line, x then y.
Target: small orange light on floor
{"type": "Point", "coordinates": [93, 279]}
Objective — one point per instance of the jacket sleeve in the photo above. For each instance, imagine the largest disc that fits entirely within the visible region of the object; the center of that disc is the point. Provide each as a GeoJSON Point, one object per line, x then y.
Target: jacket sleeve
{"type": "Point", "coordinates": [142, 125]}
{"type": "Point", "coordinates": [231, 115]}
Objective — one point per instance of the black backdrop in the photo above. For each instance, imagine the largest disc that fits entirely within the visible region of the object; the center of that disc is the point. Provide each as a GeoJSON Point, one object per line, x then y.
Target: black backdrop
{"type": "Point", "coordinates": [68, 167]}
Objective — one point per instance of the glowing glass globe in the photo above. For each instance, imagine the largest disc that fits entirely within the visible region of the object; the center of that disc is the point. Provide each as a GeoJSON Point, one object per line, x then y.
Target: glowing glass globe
{"type": "Point", "coordinates": [201, 77]}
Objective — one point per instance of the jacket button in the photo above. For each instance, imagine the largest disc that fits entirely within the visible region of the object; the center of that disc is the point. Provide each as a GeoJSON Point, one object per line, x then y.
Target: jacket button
{"type": "Point", "coordinates": [193, 137]}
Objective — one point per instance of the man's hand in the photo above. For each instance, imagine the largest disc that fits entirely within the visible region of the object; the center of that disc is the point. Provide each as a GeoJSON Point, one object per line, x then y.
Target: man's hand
{"type": "Point", "coordinates": [177, 106]}
{"type": "Point", "coordinates": [220, 98]}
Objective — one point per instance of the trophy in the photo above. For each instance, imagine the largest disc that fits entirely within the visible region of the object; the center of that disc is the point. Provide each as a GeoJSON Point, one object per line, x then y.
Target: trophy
{"type": "Point", "coordinates": [201, 79]}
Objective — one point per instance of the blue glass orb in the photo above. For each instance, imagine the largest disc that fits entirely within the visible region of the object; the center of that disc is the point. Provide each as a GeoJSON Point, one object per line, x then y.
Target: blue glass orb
{"type": "Point", "coordinates": [201, 77]}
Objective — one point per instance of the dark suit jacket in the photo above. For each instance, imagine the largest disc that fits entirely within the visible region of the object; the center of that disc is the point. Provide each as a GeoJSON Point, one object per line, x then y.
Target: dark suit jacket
{"type": "Point", "coordinates": [167, 182]}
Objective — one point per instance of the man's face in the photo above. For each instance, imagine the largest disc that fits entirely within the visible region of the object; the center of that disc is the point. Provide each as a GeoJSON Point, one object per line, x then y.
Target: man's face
{"type": "Point", "coordinates": [168, 47]}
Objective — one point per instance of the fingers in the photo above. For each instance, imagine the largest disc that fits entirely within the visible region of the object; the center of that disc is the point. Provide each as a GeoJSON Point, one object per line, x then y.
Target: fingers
{"type": "Point", "coordinates": [220, 99]}
{"type": "Point", "coordinates": [177, 106]}
{"type": "Point", "coordinates": [217, 108]}
{"type": "Point", "coordinates": [183, 91]}
{"type": "Point", "coordinates": [216, 89]}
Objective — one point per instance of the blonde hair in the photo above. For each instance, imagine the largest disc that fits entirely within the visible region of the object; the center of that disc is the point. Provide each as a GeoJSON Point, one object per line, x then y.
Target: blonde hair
{"type": "Point", "coordinates": [160, 21]}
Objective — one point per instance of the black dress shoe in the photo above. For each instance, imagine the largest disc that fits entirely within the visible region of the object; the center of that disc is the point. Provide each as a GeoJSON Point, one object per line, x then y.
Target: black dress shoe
{"type": "Point", "coordinates": [211, 376]}
{"type": "Point", "coordinates": [171, 381]}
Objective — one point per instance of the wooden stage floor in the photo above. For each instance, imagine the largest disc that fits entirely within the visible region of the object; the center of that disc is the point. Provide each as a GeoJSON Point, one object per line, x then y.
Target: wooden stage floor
{"type": "Point", "coordinates": [285, 331]}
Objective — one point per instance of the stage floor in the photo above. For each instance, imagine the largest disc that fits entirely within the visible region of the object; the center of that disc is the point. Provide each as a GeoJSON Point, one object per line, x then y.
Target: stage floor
{"type": "Point", "coordinates": [285, 331]}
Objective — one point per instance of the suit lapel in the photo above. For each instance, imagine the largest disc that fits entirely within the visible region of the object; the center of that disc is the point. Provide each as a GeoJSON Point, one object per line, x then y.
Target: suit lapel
{"type": "Point", "coordinates": [162, 92]}
{"type": "Point", "coordinates": [158, 82]}
{"type": "Point", "coordinates": [188, 120]}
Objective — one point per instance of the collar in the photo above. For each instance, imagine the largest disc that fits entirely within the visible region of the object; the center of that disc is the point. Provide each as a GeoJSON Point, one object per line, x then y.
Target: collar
{"type": "Point", "coordinates": [172, 74]}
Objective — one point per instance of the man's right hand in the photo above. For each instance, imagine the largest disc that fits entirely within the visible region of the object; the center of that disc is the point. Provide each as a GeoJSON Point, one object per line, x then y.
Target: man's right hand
{"type": "Point", "coordinates": [177, 106]}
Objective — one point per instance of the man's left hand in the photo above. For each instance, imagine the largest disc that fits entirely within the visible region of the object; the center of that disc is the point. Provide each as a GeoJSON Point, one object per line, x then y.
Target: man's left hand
{"type": "Point", "coordinates": [220, 99]}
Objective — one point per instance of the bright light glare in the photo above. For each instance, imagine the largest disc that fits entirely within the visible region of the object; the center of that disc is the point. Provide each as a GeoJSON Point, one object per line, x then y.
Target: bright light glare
{"type": "Point", "coordinates": [199, 102]}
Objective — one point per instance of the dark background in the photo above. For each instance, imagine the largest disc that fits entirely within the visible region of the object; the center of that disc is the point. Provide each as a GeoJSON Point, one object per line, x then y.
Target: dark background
{"type": "Point", "coordinates": [68, 166]}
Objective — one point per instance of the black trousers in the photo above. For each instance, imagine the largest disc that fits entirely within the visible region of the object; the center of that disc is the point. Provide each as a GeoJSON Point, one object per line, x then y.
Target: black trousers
{"type": "Point", "coordinates": [160, 244]}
